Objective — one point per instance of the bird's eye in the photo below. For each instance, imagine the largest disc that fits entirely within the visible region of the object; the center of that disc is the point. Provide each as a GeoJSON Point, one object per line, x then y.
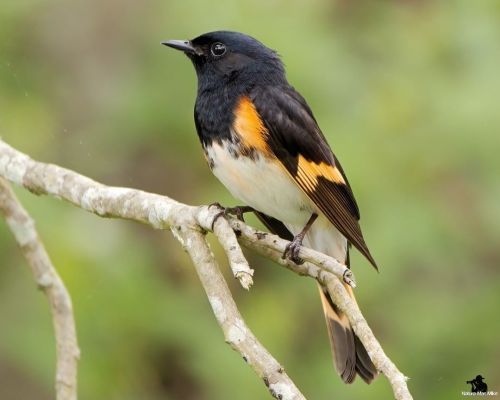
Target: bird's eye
{"type": "Point", "coordinates": [218, 49]}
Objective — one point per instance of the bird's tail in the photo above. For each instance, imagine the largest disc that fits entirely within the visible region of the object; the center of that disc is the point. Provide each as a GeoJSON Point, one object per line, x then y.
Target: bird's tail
{"type": "Point", "coordinates": [349, 354]}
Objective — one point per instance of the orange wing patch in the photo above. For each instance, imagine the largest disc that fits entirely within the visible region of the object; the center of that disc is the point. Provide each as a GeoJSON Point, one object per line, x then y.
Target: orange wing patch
{"type": "Point", "coordinates": [309, 172]}
{"type": "Point", "coordinates": [249, 127]}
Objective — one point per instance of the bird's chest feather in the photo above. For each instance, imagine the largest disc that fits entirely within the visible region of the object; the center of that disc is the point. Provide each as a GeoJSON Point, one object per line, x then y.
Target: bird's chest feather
{"type": "Point", "coordinates": [259, 181]}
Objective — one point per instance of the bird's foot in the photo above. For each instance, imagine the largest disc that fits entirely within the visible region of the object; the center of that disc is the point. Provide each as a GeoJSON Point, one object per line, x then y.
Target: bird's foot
{"type": "Point", "coordinates": [292, 250]}
{"type": "Point", "coordinates": [237, 211]}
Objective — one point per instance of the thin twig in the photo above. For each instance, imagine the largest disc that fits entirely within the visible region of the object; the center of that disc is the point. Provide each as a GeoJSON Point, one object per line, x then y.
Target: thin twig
{"type": "Point", "coordinates": [262, 241]}
{"type": "Point", "coordinates": [227, 238]}
{"type": "Point", "coordinates": [48, 280]}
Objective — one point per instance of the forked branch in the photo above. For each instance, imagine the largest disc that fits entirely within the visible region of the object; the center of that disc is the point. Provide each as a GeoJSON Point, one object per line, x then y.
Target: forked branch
{"type": "Point", "coordinates": [189, 225]}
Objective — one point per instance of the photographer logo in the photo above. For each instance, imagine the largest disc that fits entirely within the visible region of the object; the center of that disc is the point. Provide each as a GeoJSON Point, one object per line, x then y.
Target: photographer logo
{"type": "Point", "coordinates": [478, 388]}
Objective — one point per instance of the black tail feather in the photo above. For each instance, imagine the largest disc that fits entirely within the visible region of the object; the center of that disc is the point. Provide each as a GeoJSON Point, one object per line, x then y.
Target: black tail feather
{"type": "Point", "coordinates": [349, 354]}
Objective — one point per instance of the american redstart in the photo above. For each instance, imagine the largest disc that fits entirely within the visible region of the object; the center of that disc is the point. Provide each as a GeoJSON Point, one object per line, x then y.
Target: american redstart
{"type": "Point", "coordinates": [261, 140]}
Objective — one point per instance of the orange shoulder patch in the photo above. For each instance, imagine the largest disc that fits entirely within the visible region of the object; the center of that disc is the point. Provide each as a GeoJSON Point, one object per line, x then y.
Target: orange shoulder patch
{"type": "Point", "coordinates": [309, 173]}
{"type": "Point", "coordinates": [248, 125]}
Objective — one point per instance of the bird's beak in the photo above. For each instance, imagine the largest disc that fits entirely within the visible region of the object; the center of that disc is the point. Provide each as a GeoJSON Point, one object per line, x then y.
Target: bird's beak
{"type": "Point", "coordinates": [184, 45]}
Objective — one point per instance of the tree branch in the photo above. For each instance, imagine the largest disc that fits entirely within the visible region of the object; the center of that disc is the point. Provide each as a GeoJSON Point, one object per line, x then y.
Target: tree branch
{"type": "Point", "coordinates": [188, 223]}
{"type": "Point", "coordinates": [236, 332]}
{"type": "Point", "coordinates": [226, 237]}
{"type": "Point", "coordinates": [48, 280]}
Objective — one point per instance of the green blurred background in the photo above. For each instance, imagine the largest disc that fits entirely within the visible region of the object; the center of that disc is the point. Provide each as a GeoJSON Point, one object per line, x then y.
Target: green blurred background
{"type": "Point", "coordinates": [408, 94]}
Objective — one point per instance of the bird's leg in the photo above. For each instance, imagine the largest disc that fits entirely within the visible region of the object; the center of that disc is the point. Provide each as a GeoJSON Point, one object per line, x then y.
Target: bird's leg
{"type": "Point", "coordinates": [292, 249]}
{"type": "Point", "coordinates": [237, 211]}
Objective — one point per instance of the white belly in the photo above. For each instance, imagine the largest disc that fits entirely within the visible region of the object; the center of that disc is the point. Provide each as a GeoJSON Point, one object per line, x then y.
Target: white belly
{"type": "Point", "coordinates": [267, 187]}
{"type": "Point", "coordinates": [261, 184]}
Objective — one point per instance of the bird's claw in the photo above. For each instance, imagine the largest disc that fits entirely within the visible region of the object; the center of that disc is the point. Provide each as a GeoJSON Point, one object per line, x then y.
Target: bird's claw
{"type": "Point", "coordinates": [237, 211]}
{"type": "Point", "coordinates": [292, 251]}
{"type": "Point", "coordinates": [215, 204]}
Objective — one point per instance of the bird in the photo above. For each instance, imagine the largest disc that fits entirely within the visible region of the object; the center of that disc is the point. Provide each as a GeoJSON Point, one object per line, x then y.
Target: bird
{"type": "Point", "coordinates": [262, 141]}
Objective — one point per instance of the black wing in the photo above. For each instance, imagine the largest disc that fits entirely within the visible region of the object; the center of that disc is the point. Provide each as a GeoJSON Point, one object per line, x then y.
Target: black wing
{"type": "Point", "coordinates": [296, 140]}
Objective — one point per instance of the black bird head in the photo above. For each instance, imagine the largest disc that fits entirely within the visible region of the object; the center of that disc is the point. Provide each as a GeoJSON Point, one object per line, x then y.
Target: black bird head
{"type": "Point", "coordinates": [223, 57]}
